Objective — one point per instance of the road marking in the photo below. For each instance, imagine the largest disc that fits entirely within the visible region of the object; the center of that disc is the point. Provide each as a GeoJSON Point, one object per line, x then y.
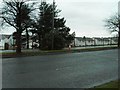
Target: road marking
{"type": "Point", "coordinates": [57, 69]}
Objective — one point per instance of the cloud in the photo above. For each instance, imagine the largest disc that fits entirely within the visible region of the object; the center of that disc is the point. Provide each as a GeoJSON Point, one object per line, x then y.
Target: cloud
{"type": "Point", "coordinates": [85, 17]}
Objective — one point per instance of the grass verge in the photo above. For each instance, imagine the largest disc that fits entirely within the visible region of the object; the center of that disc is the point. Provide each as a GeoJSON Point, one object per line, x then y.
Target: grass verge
{"type": "Point", "coordinates": [37, 53]}
{"type": "Point", "coordinates": [113, 85]}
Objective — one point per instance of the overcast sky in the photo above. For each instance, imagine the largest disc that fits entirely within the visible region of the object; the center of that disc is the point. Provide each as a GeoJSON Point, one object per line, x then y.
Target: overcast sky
{"type": "Point", "coordinates": [85, 17]}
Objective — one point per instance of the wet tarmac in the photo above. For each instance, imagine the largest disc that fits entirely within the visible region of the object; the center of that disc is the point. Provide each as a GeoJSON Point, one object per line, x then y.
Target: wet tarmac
{"type": "Point", "coordinates": [72, 70]}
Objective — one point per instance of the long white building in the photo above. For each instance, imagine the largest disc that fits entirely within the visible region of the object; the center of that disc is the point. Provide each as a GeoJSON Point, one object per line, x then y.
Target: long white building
{"type": "Point", "coordinates": [7, 41]}
{"type": "Point", "coordinates": [96, 41]}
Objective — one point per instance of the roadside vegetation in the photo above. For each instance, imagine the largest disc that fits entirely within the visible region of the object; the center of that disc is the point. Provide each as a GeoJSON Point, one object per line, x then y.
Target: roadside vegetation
{"type": "Point", "coordinates": [46, 52]}
{"type": "Point", "coordinates": [48, 28]}
{"type": "Point", "coordinates": [113, 85]}
{"type": "Point", "coordinates": [113, 24]}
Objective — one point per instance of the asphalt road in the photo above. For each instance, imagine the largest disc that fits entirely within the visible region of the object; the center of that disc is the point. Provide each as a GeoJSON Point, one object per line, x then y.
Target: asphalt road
{"type": "Point", "coordinates": [0, 73]}
{"type": "Point", "coordinates": [72, 70]}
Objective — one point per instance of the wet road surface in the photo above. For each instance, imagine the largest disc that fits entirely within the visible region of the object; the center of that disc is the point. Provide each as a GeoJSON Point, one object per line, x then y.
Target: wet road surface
{"type": "Point", "coordinates": [72, 70]}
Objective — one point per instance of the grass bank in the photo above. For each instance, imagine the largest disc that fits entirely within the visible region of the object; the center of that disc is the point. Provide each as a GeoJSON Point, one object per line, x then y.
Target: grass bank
{"type": "Point", "coordinates": [113, 85]}
{"type": "Point", "coordinates": [47, 52]}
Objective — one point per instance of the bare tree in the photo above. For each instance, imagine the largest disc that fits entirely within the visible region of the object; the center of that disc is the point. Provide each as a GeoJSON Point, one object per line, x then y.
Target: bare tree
{"type": "Point", "coordinates": [16, 13]}
{"type": "Point", "coordinates": [113, 24]}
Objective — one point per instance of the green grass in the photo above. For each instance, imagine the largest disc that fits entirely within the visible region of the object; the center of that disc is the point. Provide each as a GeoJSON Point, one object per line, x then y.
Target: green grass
{"type": "Point", "coordinates": [46, 52]}
{"type": "Point", "coordinates": [7, 52]}
{"type": "Point", "coordinates": [112, 84]}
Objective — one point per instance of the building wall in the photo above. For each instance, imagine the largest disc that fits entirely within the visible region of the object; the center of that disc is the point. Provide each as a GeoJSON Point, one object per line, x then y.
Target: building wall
{"type": "Point", "coordinates": [89, 42]}
{"type": "Point", "coordinates": [77, 43]}
{"type": "Point", "coordinates": [94, 41]}
{"type": "Point", "coordinates": [98, 42]}
{"type": "Point", "coordinates": [11, 42]}
{"type": "Point", "coordinates": [2, 43]}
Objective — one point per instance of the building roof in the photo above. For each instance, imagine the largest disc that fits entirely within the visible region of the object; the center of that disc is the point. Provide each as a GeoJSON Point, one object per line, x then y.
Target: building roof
{"type": "Point", "coordinates": [4, 36]}
{"type": "Point", "coordinates": [98, 38]}
{"type": "Point", "coordinates": [82, 39]}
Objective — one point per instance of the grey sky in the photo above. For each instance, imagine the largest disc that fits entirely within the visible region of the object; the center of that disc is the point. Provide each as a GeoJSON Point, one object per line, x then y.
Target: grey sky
{"type": "Point", "coordinates": [86, 17]}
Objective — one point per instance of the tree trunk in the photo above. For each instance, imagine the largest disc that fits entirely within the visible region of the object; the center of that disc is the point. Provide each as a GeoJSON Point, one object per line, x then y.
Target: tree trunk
{"type": "Point", "coordinates": [18, 42]}
{"type": "Point", "coordinates": [119, 38]}
{"type": "Point", "coordinates": [32, 40]}
{"type": "Point", "coordinates": [27, 38]}
{"type": "Point", "coordinates": [39, 41]}
{"type": "Point", "coordinates": [85, 42]}
{"type": "Point", "coordinates": [19, 31]}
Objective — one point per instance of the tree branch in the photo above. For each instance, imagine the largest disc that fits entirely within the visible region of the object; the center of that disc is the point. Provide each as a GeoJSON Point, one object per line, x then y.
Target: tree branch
{"type": "Point", "coordinates": [7, 21]}
{"type": "Point", "coordinates": [12, 6]}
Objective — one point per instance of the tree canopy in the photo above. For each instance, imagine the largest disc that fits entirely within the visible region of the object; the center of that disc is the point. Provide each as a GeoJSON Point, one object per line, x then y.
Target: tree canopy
{"type": "Point", "coordinates": [49, 35]}
{"type": "Point", "coordinates": [49, 28]}
{"type": "Point", "coordinates": [113, 24]}
{"type": "Point", "coordinates": [16, 13]}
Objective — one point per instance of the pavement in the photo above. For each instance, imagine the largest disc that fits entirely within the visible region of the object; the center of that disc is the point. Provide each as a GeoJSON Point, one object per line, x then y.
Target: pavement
{"type": "Point", "coordinates": [70, 70]}
{"type": "Point", "coordinates": [75, 48]}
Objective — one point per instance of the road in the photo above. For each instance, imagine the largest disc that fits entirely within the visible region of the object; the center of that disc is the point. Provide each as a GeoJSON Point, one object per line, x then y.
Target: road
{"type": "Point", "coordinates": [71, 70]}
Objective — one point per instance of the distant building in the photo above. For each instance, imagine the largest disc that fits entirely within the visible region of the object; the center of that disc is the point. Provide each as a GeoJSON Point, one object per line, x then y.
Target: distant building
{"type": "Point", "coordinates": [96, 41]}
{"type": "Point", "coordinates": [9, 41]}
{"type": "Point", "coordinates": [80, 41]}
{"type": "Point", "coordinates": [4, 41]}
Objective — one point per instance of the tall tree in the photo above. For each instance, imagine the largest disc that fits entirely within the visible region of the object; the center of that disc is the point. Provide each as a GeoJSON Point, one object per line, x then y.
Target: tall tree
{"type": "Point", "coordinates": [16, 13]}
{"type": "Point", "coordinates": [46, 31]}
{"type": "Point", "coordinates": [113, 24]}
{"type": "Point", "coordinates": [84, 38]}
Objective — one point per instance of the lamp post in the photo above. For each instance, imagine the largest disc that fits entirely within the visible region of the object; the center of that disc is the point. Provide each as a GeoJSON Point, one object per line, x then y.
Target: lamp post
{"type": "Point", "coordinates": [42, 23]}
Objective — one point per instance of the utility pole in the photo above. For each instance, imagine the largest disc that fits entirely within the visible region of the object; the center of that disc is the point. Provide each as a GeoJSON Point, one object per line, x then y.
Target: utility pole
{"type": "Point", "coordinates": [119, 24]}
{"type": "Point", "coordinates": [42, 26]}
{"type": "Point", "coordinates": [103, 41]}
{"type": "Point", "coordinates": [53, 25]}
